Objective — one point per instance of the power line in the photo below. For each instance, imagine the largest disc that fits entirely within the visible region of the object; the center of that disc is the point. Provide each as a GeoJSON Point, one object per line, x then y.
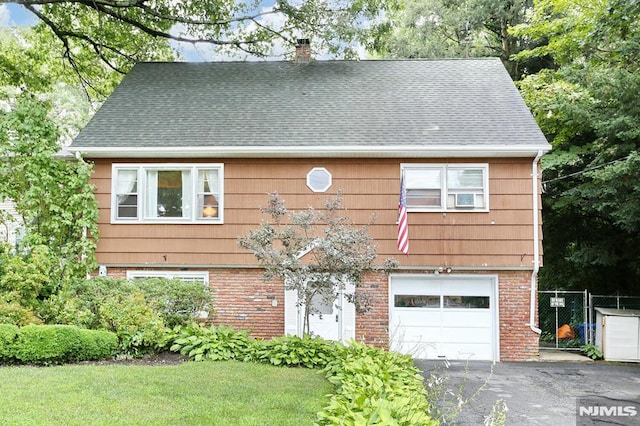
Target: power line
{"type": "Point", "coordinates": [585, 170]}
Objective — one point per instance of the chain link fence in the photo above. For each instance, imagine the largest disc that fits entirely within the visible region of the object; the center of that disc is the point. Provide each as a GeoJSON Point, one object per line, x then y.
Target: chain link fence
{"type": "Point", "coordinates": [567, 318]}
{"type": "Point", "coordinates": [563, 319]}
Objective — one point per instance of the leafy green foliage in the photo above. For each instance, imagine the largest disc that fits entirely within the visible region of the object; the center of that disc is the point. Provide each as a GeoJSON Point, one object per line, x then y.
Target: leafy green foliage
{"type": "Point", "coordinates": [53, 196]}
{"type": "Point", "coordinates": [139, 328]}
{"type": "Point", "coordinates": [461, 29]}
{"type": "Point", "coordinates": [55, 344]}
{"type": "Point", "coordinates": [294, 351]}
{"type": "Point", "coordinates": [200, 343]}
{"type": "Point", "coordinates": [592, 351]}
{"type": "Point", "coordinates": [137, 311]}
{"type": "Point", "coordinates": [8, 334]}
{"type": "Point", "coordinates": [375, 387]}
{"type": "Point", "coordinates": [12, 312]}
{"type": "Point", "coordinates": [25, 279]}
{"type": "Point", "coordinates": [588, 107]}
{"type": "Point", "coordinates": [178, 302]}
{"type": "Point", "coordinates": [24, 284]}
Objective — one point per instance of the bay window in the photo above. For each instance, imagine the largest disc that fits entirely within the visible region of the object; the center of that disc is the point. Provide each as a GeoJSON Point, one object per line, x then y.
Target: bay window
{"type": "Point", "coordinates": [446, 187]}
{"type": "Point", "coordinates": [167, 193]}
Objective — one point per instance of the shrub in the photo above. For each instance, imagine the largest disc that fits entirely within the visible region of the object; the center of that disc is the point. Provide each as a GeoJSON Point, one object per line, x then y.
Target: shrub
{"type": "Point", "coordinates": [294, 351]}
{"type": "Point", "coordinates": [8, 333]}
{"type": "Point", "coordinates": [139, 328]}
{"type": "Point", "coordinates": [200, 343]}
{"type": "Point", "coordinates": [137, 311]}
{"type": "Point", "coordinates": [177, 302]}
{"type": "Point", "coordinates": [27, 278]}
{"type": "Point", "coordinates": [12, 312]}
{"type": "Point", "coordinates": [375, 387]}
{"type": "Point", "coordinates": [56, 344]}
{"type": "Point", "coordinates": [96, 345]}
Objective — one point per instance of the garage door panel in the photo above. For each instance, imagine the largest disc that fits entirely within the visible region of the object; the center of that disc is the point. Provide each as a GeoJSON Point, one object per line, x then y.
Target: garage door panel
{"type": "Point", "coordinates": [416, 286]}
{"type": "Point", "coordinates": [467, 318]}
{"type": "Point", "coordinates": [467, 288]}
{"type": "Point", "coordinates": [417, 334]}
{"type": "Point", "coordinates": [417, 317]}
{"type": "Point", "coordinates": [465, 328]}
{"type": "Point", "coordinates": [462, 335]}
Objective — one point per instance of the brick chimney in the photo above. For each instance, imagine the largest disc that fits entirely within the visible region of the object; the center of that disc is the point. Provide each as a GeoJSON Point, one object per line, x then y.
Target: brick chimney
{"type": "Point", "coordinates": [303, 51]}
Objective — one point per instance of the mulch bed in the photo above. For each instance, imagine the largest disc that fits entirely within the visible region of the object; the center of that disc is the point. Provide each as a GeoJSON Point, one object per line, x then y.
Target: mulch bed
{"type": "Point", "coordinates": [163, 358]}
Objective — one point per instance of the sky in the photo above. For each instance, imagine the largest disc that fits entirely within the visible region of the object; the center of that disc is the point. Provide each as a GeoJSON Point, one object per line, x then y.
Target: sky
{"type": "Point", "coordinates": [15, 15]}
{"type": "Point", "coordinates": [12, 14]}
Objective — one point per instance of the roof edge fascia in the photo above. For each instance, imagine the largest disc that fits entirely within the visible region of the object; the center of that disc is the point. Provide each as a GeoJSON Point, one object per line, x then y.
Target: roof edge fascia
{"type": "Point", "coordinates": [433, 151]}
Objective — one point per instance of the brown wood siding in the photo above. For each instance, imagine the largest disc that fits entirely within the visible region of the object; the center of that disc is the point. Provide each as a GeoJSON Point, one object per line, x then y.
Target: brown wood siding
{"type": "Point", "coordinates": [501, 237]}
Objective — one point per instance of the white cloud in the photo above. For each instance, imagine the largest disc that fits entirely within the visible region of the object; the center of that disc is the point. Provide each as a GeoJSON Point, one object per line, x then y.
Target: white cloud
{"type": "Point", "coordinates": [5, 15]}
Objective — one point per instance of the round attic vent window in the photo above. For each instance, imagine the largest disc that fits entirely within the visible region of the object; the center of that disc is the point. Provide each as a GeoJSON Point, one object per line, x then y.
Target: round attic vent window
{"type": "Point", "coordinates": [319, 179]}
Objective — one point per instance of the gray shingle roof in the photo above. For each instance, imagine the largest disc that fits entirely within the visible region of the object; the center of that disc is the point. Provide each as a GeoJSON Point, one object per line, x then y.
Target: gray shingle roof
{"type": "Point", "coordinates": [328, 105]}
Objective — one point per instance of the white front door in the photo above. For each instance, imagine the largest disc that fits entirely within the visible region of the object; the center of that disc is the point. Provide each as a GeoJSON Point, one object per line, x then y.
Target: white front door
{"type": "Point", "coordinates": [326, 317]}
{"type": "Point", "coordinates": [331, 320]}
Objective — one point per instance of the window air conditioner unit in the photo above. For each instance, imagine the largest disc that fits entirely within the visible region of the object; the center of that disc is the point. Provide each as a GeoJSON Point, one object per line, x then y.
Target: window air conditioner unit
{"type": "Point", "coordinates": [465, 200]}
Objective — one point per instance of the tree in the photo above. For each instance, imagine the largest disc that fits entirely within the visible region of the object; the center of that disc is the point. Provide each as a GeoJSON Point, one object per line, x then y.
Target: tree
{"type": "Point", "coordinates": [100, 37]}
{"type": "Point", "coordinates": [53, 196]}
{"type": "Point", "coordinates": [315, 253]}
{"type": "Point", "coordinates": [589, 108]}
{"type": "Point", "coordinates": [457, 29]}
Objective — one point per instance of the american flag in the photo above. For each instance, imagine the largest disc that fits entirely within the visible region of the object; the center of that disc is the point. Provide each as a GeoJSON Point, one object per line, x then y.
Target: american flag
{"type": "Point", "coordinates": [403, 226]}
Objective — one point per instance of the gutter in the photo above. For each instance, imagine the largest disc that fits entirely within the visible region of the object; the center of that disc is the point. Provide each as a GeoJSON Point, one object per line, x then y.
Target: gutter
{"type": "Point", "coordinates": [302, 151]}
{"type": "Point", "coordinates": [536, 245]}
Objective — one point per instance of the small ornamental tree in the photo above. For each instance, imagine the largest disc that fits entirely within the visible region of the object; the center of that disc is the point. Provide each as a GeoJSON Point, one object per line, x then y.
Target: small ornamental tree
{"type": "Point", "coordinates": [315, 252]}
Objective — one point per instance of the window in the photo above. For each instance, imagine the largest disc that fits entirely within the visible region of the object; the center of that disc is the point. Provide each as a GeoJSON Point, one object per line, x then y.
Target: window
{"type": "Point", "coordinates": [319, 179]}
{"type": "Point", "coordinates": [446, 187]}
{"type": "Point", "coordinates": [185, 276]}
{"type": "Point", "coordinates": [416, 301]}
{"type": "Point", "coordinates": [446, 302]}
{"type": "Point", "coordinates": [189, 276]}
{"type": "Point", "coordinates": [466, 302]}
{"type": "Point", "coordinates": [167, 193]}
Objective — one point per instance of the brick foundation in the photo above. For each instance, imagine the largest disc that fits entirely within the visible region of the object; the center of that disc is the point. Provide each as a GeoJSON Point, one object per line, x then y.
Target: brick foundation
{"type": "Point", "coordinates": [517, 341]}
{"type": "Point", "coordinates": [372, 327]}
{"type": "Point", "coordinates": [243, 300]}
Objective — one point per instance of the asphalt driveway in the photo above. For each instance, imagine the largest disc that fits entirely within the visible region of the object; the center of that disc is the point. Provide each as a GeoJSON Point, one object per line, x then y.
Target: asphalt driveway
{"type": "Point", "coordinates": [542, 393]}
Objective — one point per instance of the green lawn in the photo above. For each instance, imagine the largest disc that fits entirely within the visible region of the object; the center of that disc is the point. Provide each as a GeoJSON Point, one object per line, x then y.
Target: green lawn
{"type": "Point", "coordinates": [206, 393]}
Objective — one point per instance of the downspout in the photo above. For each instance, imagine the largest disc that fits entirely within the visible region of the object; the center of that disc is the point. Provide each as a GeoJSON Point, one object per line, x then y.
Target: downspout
{"type": "Point", "coordinates": [536, 245]}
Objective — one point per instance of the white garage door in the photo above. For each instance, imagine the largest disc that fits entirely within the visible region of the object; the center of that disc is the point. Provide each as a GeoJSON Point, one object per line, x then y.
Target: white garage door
{"type": "Point", "coordinates": [435, 316]}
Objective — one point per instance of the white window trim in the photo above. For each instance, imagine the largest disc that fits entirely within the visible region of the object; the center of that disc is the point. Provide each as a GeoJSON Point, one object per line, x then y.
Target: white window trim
{"type": "Point", "coordinates": [204, 275]}
{"type": "Point", "coordinates": [141, 167]}
{"type": "Point", "coordinates": [445, 190]}
{"type": "Point", "coordinates": [310, 183]}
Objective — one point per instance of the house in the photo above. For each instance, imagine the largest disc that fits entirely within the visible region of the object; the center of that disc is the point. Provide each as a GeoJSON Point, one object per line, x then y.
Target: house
{"type": "Point", "coordinates": [186, 153]}
{"type": "Point", "coordinates": [11, 231]}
